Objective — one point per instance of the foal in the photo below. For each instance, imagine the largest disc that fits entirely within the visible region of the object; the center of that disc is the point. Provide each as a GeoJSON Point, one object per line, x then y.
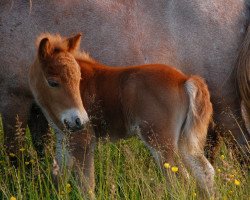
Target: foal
{"type": "Point", "coordinates": [168, 110]}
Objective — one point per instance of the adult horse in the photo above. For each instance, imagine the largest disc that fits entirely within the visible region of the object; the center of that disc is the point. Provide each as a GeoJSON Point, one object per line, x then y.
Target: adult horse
{"type": "Point", "coordinates": [198, 37]}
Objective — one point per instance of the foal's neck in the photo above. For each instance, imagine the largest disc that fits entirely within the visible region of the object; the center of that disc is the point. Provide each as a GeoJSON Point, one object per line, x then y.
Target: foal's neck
{"type": "Point", "coordinates": [90, 68]}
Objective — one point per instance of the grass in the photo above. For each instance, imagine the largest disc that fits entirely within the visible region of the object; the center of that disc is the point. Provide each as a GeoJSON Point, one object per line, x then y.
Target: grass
{"type": "Point", "coordinates": [124, 170]}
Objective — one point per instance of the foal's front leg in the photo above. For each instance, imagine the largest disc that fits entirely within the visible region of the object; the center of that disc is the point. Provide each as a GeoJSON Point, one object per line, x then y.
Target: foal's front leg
{"type": "Point", "coordinates": [76, 151]}
{"type": "Point", "coordinates": [82, 147]}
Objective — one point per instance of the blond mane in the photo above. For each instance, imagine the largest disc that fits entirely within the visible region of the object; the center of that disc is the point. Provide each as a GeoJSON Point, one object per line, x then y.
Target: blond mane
{"type": "Point", "coordinates": [59, 42]}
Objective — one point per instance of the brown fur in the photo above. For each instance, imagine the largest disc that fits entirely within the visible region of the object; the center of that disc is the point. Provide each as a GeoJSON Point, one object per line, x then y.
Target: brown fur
{"type": "Point", "coordinates": [168, 110]}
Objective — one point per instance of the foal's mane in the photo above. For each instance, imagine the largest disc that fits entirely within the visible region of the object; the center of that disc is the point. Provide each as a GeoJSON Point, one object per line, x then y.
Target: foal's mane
{"type": "Point", "coordinates": [59, 43]}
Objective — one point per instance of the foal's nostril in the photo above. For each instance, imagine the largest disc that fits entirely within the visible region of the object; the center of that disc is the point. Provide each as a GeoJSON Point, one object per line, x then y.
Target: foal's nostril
{"type": "Point", "coordinates": [66, 123]}
{"type": "Point", "coordinates": [78, 122]}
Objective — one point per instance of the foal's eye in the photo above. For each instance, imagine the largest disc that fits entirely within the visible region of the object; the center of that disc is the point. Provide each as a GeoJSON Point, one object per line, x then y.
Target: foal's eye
{"type": "Point", "coordinates": [53, 83]}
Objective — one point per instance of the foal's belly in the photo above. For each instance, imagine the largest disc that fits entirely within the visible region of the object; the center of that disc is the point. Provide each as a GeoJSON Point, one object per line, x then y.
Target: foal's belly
{"type": "Point", "coordinates": [113, 130]}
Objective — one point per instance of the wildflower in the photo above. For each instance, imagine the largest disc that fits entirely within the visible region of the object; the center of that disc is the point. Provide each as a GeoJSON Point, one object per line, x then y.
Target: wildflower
{"type": "Point", "coordinates": [222, 157]}
{"type": "Point", "coordinates": [26, 163]}
{"type": "Point", "coordinates": [12, 198]}
{"type": "Point", "coordinates": [32, 161]}
{"type": "Point", "coordinates": [236, 182]}
{"type": "Point", "coordinates": [219, 170]}
{"type": "Point", "coordinates": [174, 169]}
{"type": "Point", "coordinates": [22, 149]}
{"type": "Point", "coordinates": [194, 194]}
{"type": "Point", "coordinates": [91, 192]}
{"type": "Point", "coordinates": [68, 188]}
{"type": "Point", "coordinates": [12, 155]}
{"type": "Point", "coordinates": [231, 176]}
{"type": "Point", "coordinates": [166, 165]}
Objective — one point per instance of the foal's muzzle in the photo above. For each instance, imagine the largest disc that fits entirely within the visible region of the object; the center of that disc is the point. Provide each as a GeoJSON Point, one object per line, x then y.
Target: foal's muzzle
{"type": "Point", "coordinates": [74, 120]}
{"type": "Point", "coordinates": [75, 126]}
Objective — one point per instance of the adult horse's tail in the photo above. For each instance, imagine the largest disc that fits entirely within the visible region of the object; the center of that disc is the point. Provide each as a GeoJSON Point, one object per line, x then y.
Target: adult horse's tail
{"type": "Point", "coordinates": [243, 84]}
{"type": "Point", "coordinates": [243, 78]}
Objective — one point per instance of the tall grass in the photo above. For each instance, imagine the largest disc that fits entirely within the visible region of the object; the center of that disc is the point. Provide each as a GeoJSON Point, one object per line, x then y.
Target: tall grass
{"type": "Point", "coordinates": [123, 170]}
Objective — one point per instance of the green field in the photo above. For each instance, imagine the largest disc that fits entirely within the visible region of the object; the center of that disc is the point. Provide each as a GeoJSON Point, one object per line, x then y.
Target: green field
{"type": "Point", "coordinates": [124, 170]}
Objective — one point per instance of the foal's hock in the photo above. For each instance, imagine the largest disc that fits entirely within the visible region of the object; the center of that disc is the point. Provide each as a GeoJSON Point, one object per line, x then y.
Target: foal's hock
{"type": "Point", "coordinates": [167, 109]}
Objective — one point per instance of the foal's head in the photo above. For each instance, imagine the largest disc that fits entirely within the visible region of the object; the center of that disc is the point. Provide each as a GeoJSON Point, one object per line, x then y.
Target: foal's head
{"type": "Point", "coordinates": [55, 82]}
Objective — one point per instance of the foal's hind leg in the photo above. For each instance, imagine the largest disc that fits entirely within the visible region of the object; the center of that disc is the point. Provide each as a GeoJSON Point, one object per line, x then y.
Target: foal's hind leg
{"type": "Point", "coordinates": [164, 150]}
{"type": "Point", "coordinates": [199, 166]}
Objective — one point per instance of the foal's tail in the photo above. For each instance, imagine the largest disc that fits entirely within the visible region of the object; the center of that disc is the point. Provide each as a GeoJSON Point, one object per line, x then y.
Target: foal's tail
{"type": "Point", "coordinates": [199, 113]}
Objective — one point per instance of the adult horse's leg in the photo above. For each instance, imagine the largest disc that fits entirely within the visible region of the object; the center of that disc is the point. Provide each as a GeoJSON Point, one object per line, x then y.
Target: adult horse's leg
{"type": "Point", "coordinates": [231, 126]}
{"type": "Point", "coordinates": [14, 111]}
{"type": "Point", "coordinates": [39, 128]}
{"type": "Point", "coordinates": [213, 143]}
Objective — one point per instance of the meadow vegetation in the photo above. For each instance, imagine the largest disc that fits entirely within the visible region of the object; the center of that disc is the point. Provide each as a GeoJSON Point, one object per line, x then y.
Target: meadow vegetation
{"type": "Point", "coordinates": [124, 170]}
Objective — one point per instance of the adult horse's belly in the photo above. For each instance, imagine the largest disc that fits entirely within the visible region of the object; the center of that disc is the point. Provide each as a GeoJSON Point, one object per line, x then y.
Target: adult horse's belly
{"type": "Point", "coordinates": [198, 37]}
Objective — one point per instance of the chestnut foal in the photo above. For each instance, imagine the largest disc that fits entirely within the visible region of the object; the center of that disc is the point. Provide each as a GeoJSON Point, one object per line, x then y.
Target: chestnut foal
{"type": "Point", "coordinates": [168, 110]}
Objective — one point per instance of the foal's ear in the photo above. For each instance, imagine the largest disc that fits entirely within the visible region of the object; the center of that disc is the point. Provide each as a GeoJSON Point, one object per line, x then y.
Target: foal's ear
{"type": "Point", "coordinates": [74, 42]}
{"type": "Point", "coordinates": [44, 49]}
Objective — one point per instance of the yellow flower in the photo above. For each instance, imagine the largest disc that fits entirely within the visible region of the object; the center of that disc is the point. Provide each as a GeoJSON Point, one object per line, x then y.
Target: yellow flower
{"type": "Point", "coordinates": [231, 176]}
{"type": "Point", "coordinates": [194, 194]}
{"type": "Point", "coordinates": [222, 157]}
{"type": "Point", "coordinates": [22, 149]}
{"type": "Point", "coordinates": [174, 169]}
{"type": "Point", "coordinates": [68, 188]}
{"type": "Point", "coordinates": [26, 163]}
{"type": "Point", "coordinates": [32, 161]}
{"type": "Point", "coordinates": [12, 155]}
{"type": "Point", "coordinates": [236, 182]}
{"type": "Point", "coordinates": [12, 198]}
{"type": "Point", "coordinates": [219, 170]}
{"type": "Point", "coordinates": [166, 165]}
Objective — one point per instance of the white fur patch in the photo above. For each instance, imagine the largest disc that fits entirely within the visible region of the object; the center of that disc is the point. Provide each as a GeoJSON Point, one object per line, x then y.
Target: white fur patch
{"type": "Point", "coordinates": [71, 114]}
{"type": "Point", "coordinates": [63, 156]}
{"type": "Point", "coordinates": [192, 91]}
